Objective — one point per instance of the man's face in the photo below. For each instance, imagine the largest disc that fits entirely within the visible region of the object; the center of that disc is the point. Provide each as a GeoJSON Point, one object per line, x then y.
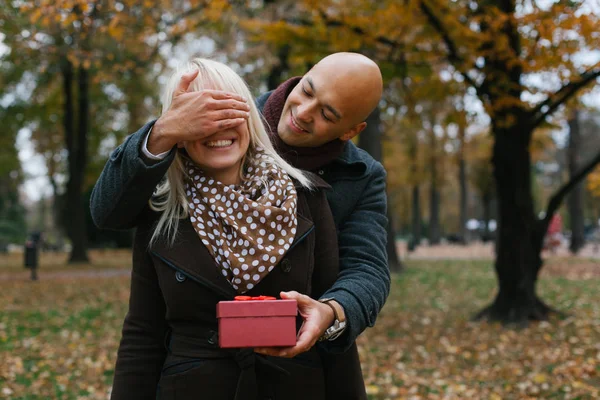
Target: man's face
{"type": "Point", "coordinates": [318, 110]}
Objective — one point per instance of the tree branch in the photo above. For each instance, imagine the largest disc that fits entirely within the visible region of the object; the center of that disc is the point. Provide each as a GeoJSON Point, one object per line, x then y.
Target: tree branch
{"type": "Point", "coordinates": [453, 55]}
{"type": "Point", "coordinates": [563, 94]}
{"type": "Point", "coordinates": [558, 197]}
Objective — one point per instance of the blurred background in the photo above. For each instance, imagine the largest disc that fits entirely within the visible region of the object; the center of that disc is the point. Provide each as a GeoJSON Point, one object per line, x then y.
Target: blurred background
{"type": "Point", "coordinates": [489, 128]}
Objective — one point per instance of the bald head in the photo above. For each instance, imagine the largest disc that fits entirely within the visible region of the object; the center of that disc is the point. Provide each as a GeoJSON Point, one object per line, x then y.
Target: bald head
{"type": "Point", "coordinates": [357, 80]}
{"type": "Point", "coordinates": [332, 101]}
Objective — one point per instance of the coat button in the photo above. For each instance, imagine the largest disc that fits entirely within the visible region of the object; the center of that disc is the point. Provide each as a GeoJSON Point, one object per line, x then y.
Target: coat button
{"type": "Point", "coordinates": [179, 276]}
{"type": "Point", "coordinates": [321, 172]}
{"type": "Point", "coordinates": [286, 265]}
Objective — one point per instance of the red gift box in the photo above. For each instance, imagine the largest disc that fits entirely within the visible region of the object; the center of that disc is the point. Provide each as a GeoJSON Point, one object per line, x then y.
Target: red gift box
{"type": "Point", "coordinates": [257, 322]}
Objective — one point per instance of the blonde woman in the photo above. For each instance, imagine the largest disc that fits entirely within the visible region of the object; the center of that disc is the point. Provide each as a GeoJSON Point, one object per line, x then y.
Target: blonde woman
{"type": "Point", "coordinates": [231, 217]}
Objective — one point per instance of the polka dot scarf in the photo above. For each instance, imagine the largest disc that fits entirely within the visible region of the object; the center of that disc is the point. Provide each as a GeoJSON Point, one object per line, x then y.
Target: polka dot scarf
{"type": "Point", "coordinates": [247, 229]}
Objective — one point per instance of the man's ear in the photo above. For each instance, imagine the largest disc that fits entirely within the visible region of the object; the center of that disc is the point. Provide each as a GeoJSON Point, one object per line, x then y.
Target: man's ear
{"type": "Point", "coordinates": [354, 131]}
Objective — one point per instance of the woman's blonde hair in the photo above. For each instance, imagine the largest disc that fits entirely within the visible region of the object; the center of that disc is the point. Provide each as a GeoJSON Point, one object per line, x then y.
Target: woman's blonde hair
{"type": "Point", "coordinates": [169, 196]}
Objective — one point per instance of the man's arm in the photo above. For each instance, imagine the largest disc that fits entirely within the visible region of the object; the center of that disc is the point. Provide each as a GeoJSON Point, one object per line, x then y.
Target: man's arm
{"type": "Point", "coordinates": [363, 283]}
{"type": "Point", "coordinates": [126, 183]}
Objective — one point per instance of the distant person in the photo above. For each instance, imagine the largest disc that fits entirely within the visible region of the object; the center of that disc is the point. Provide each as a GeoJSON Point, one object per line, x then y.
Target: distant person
{"type": "Point", "coordinates": [553, 238]}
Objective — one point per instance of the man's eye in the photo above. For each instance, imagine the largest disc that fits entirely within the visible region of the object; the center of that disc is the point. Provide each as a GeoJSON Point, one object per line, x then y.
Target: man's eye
{"type": "Point", "coordinates": [325, 116]}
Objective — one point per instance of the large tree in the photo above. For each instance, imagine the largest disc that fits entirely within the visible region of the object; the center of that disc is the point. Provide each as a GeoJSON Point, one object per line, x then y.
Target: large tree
{"type": "Point", "coordinates": [500, 45]}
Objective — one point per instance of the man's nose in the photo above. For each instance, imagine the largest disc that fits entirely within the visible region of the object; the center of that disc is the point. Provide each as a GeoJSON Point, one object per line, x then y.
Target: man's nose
{"type": "Point", "coordinates": [305, 111]}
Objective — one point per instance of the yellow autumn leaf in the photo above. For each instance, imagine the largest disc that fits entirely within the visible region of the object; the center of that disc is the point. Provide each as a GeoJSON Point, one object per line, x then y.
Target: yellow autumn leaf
{"type": "Point", "coordinates": [540, 378]}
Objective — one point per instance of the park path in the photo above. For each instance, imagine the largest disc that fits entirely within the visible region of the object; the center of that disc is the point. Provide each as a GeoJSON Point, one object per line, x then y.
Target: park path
{"type": "Point", "coordinates": [474, 251]}
{"type": "Point", "coordinates": [71, 274]}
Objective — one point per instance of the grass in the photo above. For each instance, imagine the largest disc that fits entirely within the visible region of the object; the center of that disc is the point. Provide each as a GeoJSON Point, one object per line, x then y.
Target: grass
{"type": "Point", "coordinates": [58, 337]}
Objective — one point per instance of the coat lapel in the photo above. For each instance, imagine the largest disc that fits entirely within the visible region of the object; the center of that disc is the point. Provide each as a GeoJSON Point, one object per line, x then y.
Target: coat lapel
{"type": "Point", "coordinates": [190, 257]}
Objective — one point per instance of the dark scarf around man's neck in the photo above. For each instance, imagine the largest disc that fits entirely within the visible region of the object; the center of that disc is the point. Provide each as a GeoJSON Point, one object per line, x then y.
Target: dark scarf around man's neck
{"type": "Point", "coordinates": [307, 158]}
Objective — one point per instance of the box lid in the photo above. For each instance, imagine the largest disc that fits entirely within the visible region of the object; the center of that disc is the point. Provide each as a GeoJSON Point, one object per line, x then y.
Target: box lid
{"type": "Point", "coordinates": [257, 308]}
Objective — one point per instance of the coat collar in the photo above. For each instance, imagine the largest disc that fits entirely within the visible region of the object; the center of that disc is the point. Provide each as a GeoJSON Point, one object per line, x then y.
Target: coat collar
{"type": "Point", "coordinates": [190, 257]}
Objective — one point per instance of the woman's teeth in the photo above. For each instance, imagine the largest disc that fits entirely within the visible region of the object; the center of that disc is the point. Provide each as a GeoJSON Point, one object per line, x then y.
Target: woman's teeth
{"type": "Point", "coordinates": [219, 143]}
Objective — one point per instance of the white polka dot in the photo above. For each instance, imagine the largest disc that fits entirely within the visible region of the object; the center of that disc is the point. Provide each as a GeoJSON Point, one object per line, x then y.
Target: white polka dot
{"type": "Point", "coordinates": [245, 267]}
{"type": "Point", "coordinates": [273, 259]}
{"type": "Point", "coordinates": [236, 271]}
{"type": "Point", "coordinates": [224, 272]}
{"type": "Point", "coordinates": [254, 263]}
{"type": "Point", "coordinates": [250, 286]}
{"type": "Point", "coordinates": [262, 232]}
{"type": "Point", "coordinates": [246, 276]}
{"type": "Point", "coordinates": [252, 251]}
{"type": "Point", "coordinates": [271, 268]}
{"type": "Point", "coordinates": [265, 257]}
{"type": "Point", "coordinates": [249, 219]}
{"type": "Point", "coordinates": [253, 226]}
{"type": "Point", "coordinates": [261, 268]}
{"type": "Point", "coordinates": [267, 212]}
{"type": "Point", "coordinates": [281, 251]}
{"type": "Point", "coordinates": [256, 277]}
{"type": "Point", "coordinates": [271, 237]}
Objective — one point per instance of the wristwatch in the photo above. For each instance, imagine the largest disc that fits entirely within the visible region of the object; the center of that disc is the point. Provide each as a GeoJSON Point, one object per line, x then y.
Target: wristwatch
{"type": "Point", "coordinates": [338, 327]}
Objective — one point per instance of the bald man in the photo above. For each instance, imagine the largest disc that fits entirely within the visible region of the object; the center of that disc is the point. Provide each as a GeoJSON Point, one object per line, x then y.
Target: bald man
{"type": "Point", "coordinates": [311, 120]}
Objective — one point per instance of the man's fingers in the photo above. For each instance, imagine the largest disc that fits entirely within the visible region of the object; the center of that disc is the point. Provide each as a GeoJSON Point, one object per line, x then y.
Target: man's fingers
{"type": "Point", "coordinates": [229, 114]}
{"type": "Point", "coordinates": [222, 95]}
{"type": "Point", "coordinates": [185, 81]}
{"type": "Point", "coordinates": [229, 124]}
{"type": "Point", "coordinates": [225, 104]}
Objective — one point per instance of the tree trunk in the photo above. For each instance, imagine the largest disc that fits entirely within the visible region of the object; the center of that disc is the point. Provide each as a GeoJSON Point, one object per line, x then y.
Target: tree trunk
{"type": "Point", "coordinates": [416, 217]}
{"type": "Point", "coordinates": [462, 181]}
{"type": "Point", "coordinates": [520, 234]}
{"type": "Point", "coordinates": [77, 158]}
{"type": "Point", "coordinates": [575, 199]}
{"type": "Point", "coordinates": [487, 215]}
{"type": "Point", "coordinates": [434, 196]}
{"type": "Point", "coordinates": [370, 141]}
{"type": "Point", "coordinates": [434, 214]}
{"type": "Point", "coordinates": [275, 77]}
